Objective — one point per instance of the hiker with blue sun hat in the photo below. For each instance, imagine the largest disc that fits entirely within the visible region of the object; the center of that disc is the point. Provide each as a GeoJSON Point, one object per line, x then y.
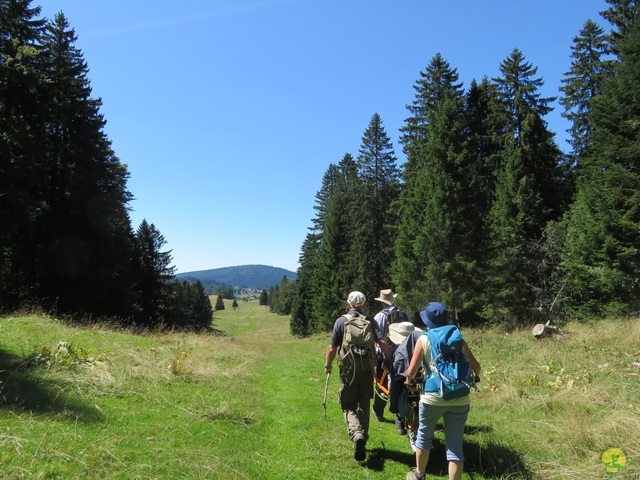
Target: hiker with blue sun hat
{"type": "Point", "coordinates": [446, 392]}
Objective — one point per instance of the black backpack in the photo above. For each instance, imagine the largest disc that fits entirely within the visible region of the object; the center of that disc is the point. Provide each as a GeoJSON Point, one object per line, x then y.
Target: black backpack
{"type": "Point", "coordinates": [394, 315]}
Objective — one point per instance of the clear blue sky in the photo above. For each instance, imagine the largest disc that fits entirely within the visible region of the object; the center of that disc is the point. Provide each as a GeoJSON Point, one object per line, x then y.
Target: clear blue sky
{"type": "Point", "coordinates": [228, 112]}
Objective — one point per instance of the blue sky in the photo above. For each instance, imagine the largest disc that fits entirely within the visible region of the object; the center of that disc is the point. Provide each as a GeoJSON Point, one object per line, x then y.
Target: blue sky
{"type": "Point", "coordinates": [228, 112]}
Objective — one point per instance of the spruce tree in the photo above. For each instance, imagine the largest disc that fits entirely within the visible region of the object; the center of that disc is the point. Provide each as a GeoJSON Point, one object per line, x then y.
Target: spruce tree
{"type": "Point", "coordinates": [622, 16]}
{"type": "Point", "coordinates": [202, 310]}
{"type": "Point", "coordinates": [263, 297]}
{"type": "Point", "coordinates": [301, 312]}
{"type": "Point", "coordinates": [529, 193]}
{"type": "Point", "coordinates": [433, 138]}
{"type": "Point", "coordinates": [21, 149]}
{"type": "Point", "coordinates": [601, 262]}
{"type": "Point", "coordinates": [589, 70]}
{"type": "Point", "coordinates": [337, 262]}
{"type": "Point", "coordinates": [219, 303]}
{"type": "Point", "coordinates": [154, 275]}
{"type": "Point", "coordinates": [375, 219]}
{"type": "Point", "coordinates": [84, 226]}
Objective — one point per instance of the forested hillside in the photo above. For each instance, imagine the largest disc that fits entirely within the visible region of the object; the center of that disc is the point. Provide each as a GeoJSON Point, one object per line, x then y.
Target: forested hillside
{"type": "Point", "coordinates": [488, 214]}
{"type": "Point", "coordinates": [257, 277]}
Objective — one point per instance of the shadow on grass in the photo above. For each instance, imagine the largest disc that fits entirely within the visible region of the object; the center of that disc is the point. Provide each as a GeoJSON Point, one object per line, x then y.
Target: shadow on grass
{"type": "Point", "coordinates": [22, 388]}
{"type": "Point", "coordinates": [488, 460]}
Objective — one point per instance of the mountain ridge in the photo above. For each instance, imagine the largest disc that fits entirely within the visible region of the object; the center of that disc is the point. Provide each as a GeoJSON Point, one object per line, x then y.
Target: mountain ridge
{"type": "Point", "coordinates": [258, 277]}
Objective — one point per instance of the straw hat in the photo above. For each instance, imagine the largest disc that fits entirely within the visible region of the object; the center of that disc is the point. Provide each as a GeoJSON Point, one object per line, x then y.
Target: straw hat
{"type": "Point", "coordinates": [387, 296]}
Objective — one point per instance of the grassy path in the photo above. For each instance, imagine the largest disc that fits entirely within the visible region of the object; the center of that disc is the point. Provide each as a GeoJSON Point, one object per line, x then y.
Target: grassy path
{"type": "Point", "coordinates": [291, 439]}
{"type": "Point", "coordinates": [247, 404]}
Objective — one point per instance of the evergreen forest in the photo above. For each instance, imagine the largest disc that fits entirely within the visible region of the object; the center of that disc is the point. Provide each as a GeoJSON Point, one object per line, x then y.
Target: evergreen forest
{"type": "Point", "coordinates": [485, 212]}
{"type": "Point", "coordinates": [488, 214]}
{"type": "Point", "coordinates": [67, 245]}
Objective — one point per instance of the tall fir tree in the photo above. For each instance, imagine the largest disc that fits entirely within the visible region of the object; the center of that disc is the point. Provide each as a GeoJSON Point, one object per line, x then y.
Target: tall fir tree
{"type": "Point", "coordinates": [337, 262]}
{"type": "Point", "coordinates": [375, 219]}
{"type": "Point", "coordinates": [530, 192]}
{"type": "Point", "coordinates": [154, 276]}
{"type": "Point", "coordinates": [85, 228]}
{"type": "Point", "coordinates": [601, 262]}
{"type": "Point", "coordinates": [622, 15]}
{"type": "Point", "coordinates": [301, 323]}
{"type": "Point", "coordinates": [307, 310]}
{"type": "Point", "coordinates": [21, 149]}
{"type": "Point", "coordinates": [423, 227]}
{"type": "Point", "coordinates": [590, 68]}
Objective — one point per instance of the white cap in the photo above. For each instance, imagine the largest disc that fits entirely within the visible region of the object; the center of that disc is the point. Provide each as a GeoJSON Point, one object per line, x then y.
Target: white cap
{"type": "Point", "coordinates": [356, 299]}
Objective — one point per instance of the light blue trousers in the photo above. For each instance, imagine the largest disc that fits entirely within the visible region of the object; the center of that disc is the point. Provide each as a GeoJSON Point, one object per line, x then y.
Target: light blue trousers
{"type": "Point", "coordinates": [454, 418]}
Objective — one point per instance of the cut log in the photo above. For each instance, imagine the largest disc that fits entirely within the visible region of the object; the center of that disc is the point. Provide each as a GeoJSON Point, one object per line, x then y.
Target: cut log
{"type": "Point", "coordinates": [544, 330]}
{"type": "Point", "coordinates": [539, 330]}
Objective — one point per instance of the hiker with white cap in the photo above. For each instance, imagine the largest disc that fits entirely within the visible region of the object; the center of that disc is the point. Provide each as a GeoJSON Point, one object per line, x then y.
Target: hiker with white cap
{"type": "Point", "coordinates": [354, 338]}
{"type": "Point", "coordinates": [390, 320]}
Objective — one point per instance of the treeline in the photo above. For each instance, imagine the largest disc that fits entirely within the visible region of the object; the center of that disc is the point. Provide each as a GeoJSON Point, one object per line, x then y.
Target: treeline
{"type": "Point", "coordinates": [488, 215]}
{"type": "Point", "coordinates": [66, 241]}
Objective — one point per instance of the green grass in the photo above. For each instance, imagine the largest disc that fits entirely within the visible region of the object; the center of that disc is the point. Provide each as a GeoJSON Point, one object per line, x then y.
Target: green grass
{"type": "Point", "coordinates": [247, 403]}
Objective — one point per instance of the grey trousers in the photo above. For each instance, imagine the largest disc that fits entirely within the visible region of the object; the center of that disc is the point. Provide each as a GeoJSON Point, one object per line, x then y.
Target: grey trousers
{"type": "Point", "coordinates": [355, 400]}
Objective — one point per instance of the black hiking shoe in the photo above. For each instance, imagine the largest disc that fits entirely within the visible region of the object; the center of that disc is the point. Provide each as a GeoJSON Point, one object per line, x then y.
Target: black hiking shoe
{"type": "Point", "coordinates": [359, 452]}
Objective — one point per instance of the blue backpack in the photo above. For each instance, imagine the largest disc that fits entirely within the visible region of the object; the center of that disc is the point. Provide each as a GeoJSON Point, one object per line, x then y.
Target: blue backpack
{"type": "Point", "coordinates": [450, 372]}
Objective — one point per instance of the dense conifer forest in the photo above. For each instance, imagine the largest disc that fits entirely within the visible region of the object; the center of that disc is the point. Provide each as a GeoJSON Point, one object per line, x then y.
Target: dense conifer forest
{"type": "Point", "coordinates": [488, 214]}
{"type": "Point", "coordinates": [67, 245]}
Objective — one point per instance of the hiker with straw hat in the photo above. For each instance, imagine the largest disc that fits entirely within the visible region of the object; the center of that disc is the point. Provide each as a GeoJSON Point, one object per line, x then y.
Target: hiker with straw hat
{"type": "Point", "coordinates": [389, 319]}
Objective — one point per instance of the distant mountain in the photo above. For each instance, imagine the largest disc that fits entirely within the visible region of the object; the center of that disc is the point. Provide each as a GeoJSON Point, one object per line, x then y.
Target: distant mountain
{"type": "Point", "coordinates": [256, 277]}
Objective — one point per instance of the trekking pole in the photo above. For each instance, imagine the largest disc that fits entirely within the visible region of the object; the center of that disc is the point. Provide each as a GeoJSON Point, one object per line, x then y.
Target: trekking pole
{"type": "Point", "coordinates": [324, 401]}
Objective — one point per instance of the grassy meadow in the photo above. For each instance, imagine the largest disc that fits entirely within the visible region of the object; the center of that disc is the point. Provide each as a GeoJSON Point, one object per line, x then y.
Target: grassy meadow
{"type": "Point", "coordinates": [247, 403]}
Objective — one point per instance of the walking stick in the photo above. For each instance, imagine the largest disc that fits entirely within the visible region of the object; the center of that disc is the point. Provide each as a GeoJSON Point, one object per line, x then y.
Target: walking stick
{"type": "Point", "coordinates": [324, 401]}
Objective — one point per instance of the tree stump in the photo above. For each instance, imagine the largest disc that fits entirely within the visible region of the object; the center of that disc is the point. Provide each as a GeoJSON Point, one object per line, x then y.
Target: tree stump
{"type": "Point", "coordinates": [544, 330]}
{"type": "Point", "coordinates": [539, 330]}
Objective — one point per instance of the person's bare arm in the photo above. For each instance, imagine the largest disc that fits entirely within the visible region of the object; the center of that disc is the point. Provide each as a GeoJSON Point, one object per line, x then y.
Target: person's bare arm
{"type": "Point", "coordinates": [331, 354]}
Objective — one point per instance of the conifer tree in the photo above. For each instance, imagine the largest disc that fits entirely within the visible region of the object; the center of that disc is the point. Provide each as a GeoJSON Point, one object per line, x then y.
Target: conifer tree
{"type": "Point", "coordinates": [529, 193]}
{"type": "Point", "coordinates": [601, 262]}
{"type": "Point", "coordinates": [263, 297]}
{"type": "Point", "coordinates": [219, 303]}
{"type": "Point", "coordinates": [21, 149]}
{"type": "Point", "coordinates": [375, 219]}
{"type": "Point", "coordinates": [589, 70]}
{"type": "Point", "coordinates": [202, 316]}
{"type": "Point", "coordinates": [301, 312]}
{"type": "Point", "coordinates": [154, 275]}
{"type": "Point", "coordinates": [85, 228]}
{"type": "Point", "coordinates": [434, 143]}
{"type": "Point", "coordinates": [337, 262]}
{"type": "Point", "coordinates": [622, 15]}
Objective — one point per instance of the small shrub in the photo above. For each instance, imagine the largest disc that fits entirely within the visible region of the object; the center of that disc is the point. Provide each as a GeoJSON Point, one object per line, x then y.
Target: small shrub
{"type": "Point", "coordinates": [65, 356]}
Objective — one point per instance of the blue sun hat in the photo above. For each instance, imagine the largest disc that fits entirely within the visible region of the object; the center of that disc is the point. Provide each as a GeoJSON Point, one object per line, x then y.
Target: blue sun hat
{"type": "Point", "coordinates": [435, 315]}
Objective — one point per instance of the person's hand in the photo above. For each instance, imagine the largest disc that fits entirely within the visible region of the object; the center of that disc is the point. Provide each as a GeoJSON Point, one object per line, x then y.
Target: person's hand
{"type": "Point", "coordinates": [327, 368]}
